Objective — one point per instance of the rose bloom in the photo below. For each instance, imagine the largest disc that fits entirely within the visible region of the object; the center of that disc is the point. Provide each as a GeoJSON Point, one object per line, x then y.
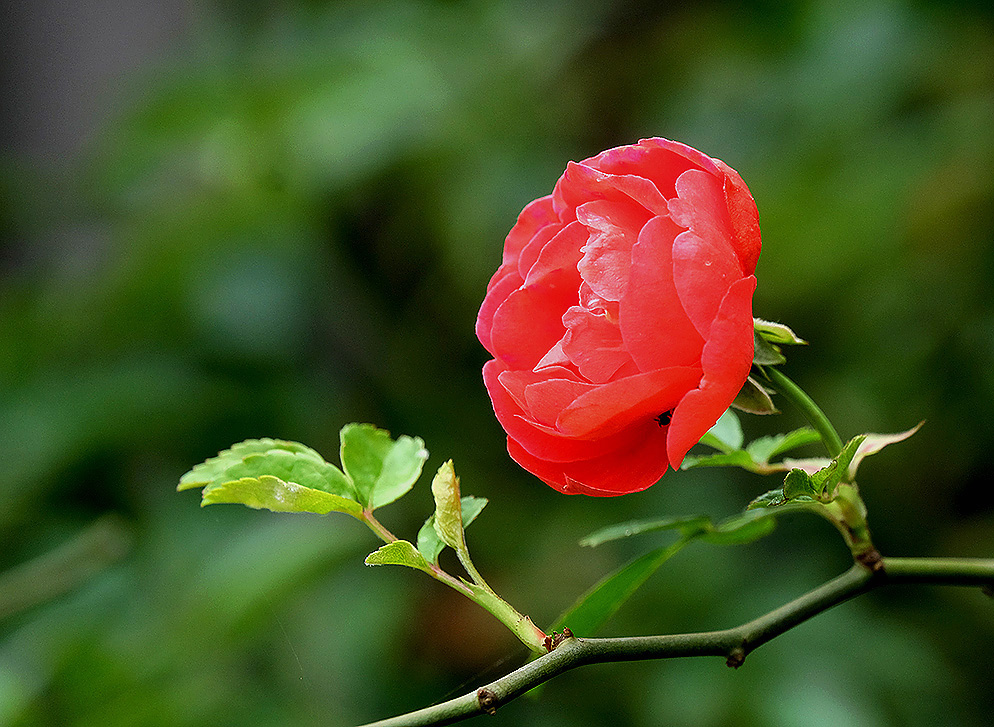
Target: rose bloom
{"type": "Point", "coordinates": [620, 319]}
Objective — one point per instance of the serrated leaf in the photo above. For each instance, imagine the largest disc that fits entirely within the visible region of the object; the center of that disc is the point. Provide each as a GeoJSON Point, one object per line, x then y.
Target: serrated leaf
{"type": "Point", "coordinates": [399, 552]}
{"type": "Point", "coordinates": [776, 332]}
{"type": "Point", "coordinates": [799, 483]}
{"type": "Point", "coordinates": [753, 398]}
{"type": "Point", "coordinates": [726, 434]}
{"type": "Point", "coordinates": [838, 469]}
{"type": "Point", "coordinates": [685, 525]}
{"type": "Point", "coordinates": [272, 493]}
{"type": "Point", "coordinates": [287, 461]}
{"type": "Point", "coordinates": [381, 468]}
{"type": "Point", "coordinates": [448, 507]}
{"type": "Point", "coordinates": [430, 545]}
{"type": "Point", "coordinates": [764, 352]}
{"type": "Point", "coordinates": [213, 469]}
{"type": "Point", "coordinates": [876, 442]}
{"type": "Point", "coordinates": [772, 498]}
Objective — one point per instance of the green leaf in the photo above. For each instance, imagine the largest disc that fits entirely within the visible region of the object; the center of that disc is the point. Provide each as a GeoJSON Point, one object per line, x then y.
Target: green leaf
{"type": "Point", "coordinates": [597, 605]}
{"type": "Point", "coordinates": [288, 461]}
{"type": "Point", "coordinates": [757, 454]}
{"type": "Point", "coordinates": [382, 469]}
{"type": "Point", "coordinates": [448, 507]}
{"type": "Point", "coordinates": [776, 332]}
{"type": "Point", "coordinates": [738, 458]}
{"type": "Point", "coordinates": [272, 493]}
{"type": "Point", "coordinates": [399, 552]}
{"type": "Point", "coordinates": [753, 398]}
{"type": "Point", "coordinates": [430, 545]}
{"type": "Point", "coordinates": [685, 525]}
{"type": "Point", "coordinates": [746, 527]}
{"type": "Point", "coordinates": [770, 499]}
{"type": "Point", "coordinates": [726, 434]}
{"type": "Point", "coordinates": [765, 449]}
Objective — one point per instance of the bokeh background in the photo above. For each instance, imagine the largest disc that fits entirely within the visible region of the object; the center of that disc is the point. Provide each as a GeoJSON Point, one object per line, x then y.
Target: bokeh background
{"type": "Point", "coordinates": [242, 218]}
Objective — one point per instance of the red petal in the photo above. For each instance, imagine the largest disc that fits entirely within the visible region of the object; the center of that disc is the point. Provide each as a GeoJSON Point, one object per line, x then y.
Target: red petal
{"type": "Point", "coordinates": [609, 408]}
{"type": "Point", "coordinates": [581, 183]}
{"type": "Point", "coordinates": [631, 468]}
{"type": "Point", "coordinates": [660, 161]}
{"type": "Point", "coordinates": [535, 246]}
{"type": "Point", "coordinates": [655, 328]}
{"type": "Point", "coordinates": [530, 320]}
{"type": "Point", "coordinates": [744, 217]}
{"type": "Point", "coordinates": [504, 282]}
{"type": "Point", "coordinates": [532, 218]}
{"type": "Point", "coordinates": [547, 399]}
{"type": "Point", "coordinates": [541, 441]}
{"type": "Point", "coordinates": [594, 345]}
{"type": "Point", "coordinates": [704, 260]}
{"type": "Point", "coordinates": [557, 260]}
{"type": "Point", "coordinates": [726, 361]}
{"type": "Point", "coordinates": [555, 357]}
{"type": "Point", "coordinates": [607, 255]}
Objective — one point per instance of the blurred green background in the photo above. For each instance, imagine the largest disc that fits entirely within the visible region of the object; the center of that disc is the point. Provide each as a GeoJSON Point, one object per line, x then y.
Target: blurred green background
{"type": "Point", "coordinates": [243, 218]}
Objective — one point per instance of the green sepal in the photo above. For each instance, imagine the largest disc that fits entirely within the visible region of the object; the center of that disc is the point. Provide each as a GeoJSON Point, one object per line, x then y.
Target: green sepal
{"type": "Point", "coordinates": [776, 333]}
{"type": "Point", "coordinates": [767, 339]}
{"type": "Point", "coordinates": [753, 398]}
{"type": "Point", "coordinates": [287, 461]}
{"type": "Point", "coordinates": [766, 353]}
{"type": "Point", "coordinates": [430, 545]}
{"type": "Point", "coordinates": [381, 468]}
{"type": "Point", "coordinates": [399, 552]}
{"type": "Point", "coordinates": [271, 493]}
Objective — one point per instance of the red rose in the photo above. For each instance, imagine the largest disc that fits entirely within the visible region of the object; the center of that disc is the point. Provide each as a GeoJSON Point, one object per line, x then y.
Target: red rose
{"type": "Point", "coordinates": [620, 319]}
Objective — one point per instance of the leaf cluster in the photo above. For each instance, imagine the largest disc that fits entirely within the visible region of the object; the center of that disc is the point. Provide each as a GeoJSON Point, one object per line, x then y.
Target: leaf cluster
{"type": "Point", "coordinates": [284, 476]}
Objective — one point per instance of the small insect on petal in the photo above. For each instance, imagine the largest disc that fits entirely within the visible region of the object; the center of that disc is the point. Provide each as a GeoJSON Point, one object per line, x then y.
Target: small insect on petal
{"type": "Point", "coordinates": [664, 418]}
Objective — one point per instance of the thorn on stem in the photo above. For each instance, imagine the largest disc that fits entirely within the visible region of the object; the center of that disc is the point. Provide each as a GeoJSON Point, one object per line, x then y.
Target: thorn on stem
{"type": "Point", "coordinates": [736, 657]}
{"type": "Point", "coordinates": [487, 700]}
{"type": "Point", "coordinates": [988, 590]}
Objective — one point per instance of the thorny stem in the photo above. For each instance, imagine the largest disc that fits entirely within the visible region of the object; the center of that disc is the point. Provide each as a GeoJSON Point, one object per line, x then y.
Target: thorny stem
{"type": "Point", "coordinates": [811, 411]}
{"type": "Point", "coordinates": [733, 644]}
